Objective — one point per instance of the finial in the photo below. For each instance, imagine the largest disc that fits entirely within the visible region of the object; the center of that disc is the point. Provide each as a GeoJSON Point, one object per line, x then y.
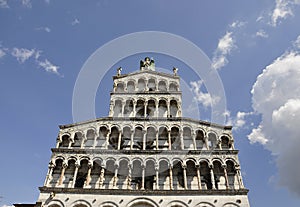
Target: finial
{"type": "Point", "coordinates": [119, 71]}
{"type": "Point", "coordinates": [175, 71]}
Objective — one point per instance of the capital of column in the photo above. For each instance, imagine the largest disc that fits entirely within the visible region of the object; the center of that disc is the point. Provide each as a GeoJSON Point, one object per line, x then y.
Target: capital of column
{"type": "Point", "coordinates": [64, 165]}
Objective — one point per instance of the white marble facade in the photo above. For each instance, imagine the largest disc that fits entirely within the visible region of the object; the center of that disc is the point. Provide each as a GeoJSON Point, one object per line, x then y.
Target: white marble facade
{"type": "Point", "coordinates": [144, 153]}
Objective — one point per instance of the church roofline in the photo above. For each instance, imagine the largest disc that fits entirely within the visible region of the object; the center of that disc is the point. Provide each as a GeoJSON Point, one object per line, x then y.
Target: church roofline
{"type": "Point", "coordinates": [146, 119]}
{"type": "Point", "coordinates": [146, 71]}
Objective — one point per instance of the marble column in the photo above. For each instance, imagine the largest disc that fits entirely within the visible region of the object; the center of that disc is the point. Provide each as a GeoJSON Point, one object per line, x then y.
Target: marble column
{"type": "Point", "coordinates": [226, 176]}
{"type": "Point", "coordinates": [49, 173]}
{"type": "Point", "coordinates": [169, 139]}
{"type": "Point", "coordinates": [143, 177]}
{"type": "Point", "coordinates": [102, 172]}
{"type": "Point", "coordinates": [157, 177]}
{"type": "Point", "coordinates": [62, 175]}
{"type": "Point", "coordinates": [88, 177]}
{"type": "Point", "coordinates": [115, 177]}
{"type": "Point", "coordinates": [212, 176]}
{"type": "Point", "coordinates": [184, 177]}
{"type": "Point", "coordinates": [171, 176]}
{"type": "Point", "coordinates": [199, 176]}
{"type": "Point", "coordinates": [77, 165]}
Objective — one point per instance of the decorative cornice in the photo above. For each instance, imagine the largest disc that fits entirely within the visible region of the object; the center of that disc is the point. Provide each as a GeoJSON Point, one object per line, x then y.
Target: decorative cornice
{"type": "Point", "coordinates": [130, 119]}
{"type": "Point", "coordinates": [145, 192]}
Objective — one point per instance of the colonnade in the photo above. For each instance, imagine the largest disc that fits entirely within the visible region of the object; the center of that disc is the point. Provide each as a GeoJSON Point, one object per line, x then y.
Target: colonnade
{"type": "Point", "coordinates": [152, 175]}
{"type": "Point", "coordinates": [145, 108]}
{"type": "Point", "coordinates": [145, 85]}
{"type": "Point", "coordinates": [151, 138]}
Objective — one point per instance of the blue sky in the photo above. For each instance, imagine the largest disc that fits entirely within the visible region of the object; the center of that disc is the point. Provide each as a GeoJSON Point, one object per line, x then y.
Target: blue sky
{"type": "Point", "coordinates": [253, 45]}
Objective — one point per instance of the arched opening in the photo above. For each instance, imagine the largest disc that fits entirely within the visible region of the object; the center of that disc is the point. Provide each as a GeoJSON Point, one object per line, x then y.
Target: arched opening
{"type": "Point", "coordinates": [95, 174]}
{"type": "Point", "coordinates": [130, 87]}
{"type": "Point", "coordinates": [200, 143]}
{"type": "Point", "coordinates": [187, 138]}
{"type": "Point", "coordinates": [127, 138]}
{"type": "Point", "coordinates": [212, 141]}
{"type": "Point", "coordinates": [151, 85]}
{"type": "Point", "coordinates": [64, 141]}
{"type": "Point", "coordinates": [56, 172]}
{"type": "Point", "coordinates": [191, 175]}
{"type": "Point", "coordinates": [178, 180]}
{"type": "Point", "coordinates": [173, 108]}
{"type": "Point", "coordinates": [219, 175]}
{"type": "Point", "coordinates": [69, 174]}
{"type": "Point", "coordinates": [163, 138]}
{"type": "Point", "coordinates": [123, 174]}
{"type": "Point", "coordinates": [162, 86]}
{"type": "Point", "coordinates": [114, 138]}
{"type": "Point", "coordinates": [90, 138]}
{"type": "Point", "coordinates": [138, 138]}
{"type": "Point", "coordinates": [173, 87]}
{"type": "Point", "coordinates": [164, 175]}
{"type": "Point", "coordinates": [151, 108]}
{"type": "Point", "coordinates": [150, 175]}
{"type": "Point", "coordinates": [101, 140]}
{"type": "Point", "coordinates": [140, 108]}
{"type": "Point", "coordinates": [225, 144]}
{"type": "Point", "coordinates": [231, 174]}
{"type": "Point", "coordinates": [120, 87]}
{"type": "Point", "coordinates": [162, 108]}
{"type": "Point", "coordinates": [117, 108]}
{"type": "Point", "coordinates": [109, 174]}
{"type": "Point", "coordinates": [128, 109]}
{"type": "Point", "coordinates": [77, 140]}
{"type": "Point", "coordinates": [205, 176]}
{"type": "Point", "coordinates": [150, 138]}
{"type": "Point", "coordinates": [136, 182]}
{"type": "Point", "coordinates": [175, 138]}
{"type": "Point", "coordinates": [141, 85]}
{"type": "Point", "coordinates": [82, 173]}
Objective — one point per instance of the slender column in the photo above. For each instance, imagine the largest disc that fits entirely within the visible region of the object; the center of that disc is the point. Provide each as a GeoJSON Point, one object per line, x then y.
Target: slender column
{"type": "Point", "coordinates": [144, 140]}
{"type": "Point", "coordinates": [123, 106]}
{"type": "Point", "coordinates": [129, 178]}
{"type": "Point", "coordinates": [184, 177]}
{"type": "Point", "coordinates": [61, 178]}
{"type": "Point", "coordinates": [115, 177]}
{"type": "Point", "coordinates": [119, 140]}
{"type": "Point", "coordinates": [171, 176]}
{"type": "Point", "coordinates": [238, 172]}
{"type": "Point", "coordinates": [77, 165]}
{"type": "Point", "coordinates": [199, 177]}
{"type": "Point", "coordinates": [88, 177]}
{"type": "Point", "coordinates": [156, 108]}
{"type": "Point", "coordinates": [212, 177]}
{"type": "Point", "coordinates": [143, 177]}
{"type": "Point", "coordinates": [219, 144]}
{"type": "Point", "coordinates": [71, 141]}
{"type": "Point", "coordinates": [194, 140]}
{"type": "Point", "coordinates": [157, 176]}
{"type": "Point", "coordinates": [49, 173]}
{"type": "Point", "coordinates": [169, 139]}
{"type": "Point", "coordinates": [83, 139]}
{"type": "Point", "coordinates": [168, 108]}
{"type": "Point", "coordinates": [181, 139]}
{"type": "Point", "coordinates": [232, 145]}
{"type": "Point", "coordinates": [226, 176]}
{"type": "Point", "coordinates": [58, 141]}
{"type": "Point", "coordinates": [131, 139]}
{"type": "Point", "coordinates": [111, 108]}
{"type": "Point", "coordinates": [145, 109]}
{"type": "Point", "coordinates": [179, 109]}
{"type": "Point", "coordinates": [102, 176]}
{"type": "Point", "coordinates": [206, 142]}
{"type": "Point", "coordinates": [134, 102]}
{"type": "Point", "coordinates": [156, 140]}
{"type": "Point", "coordinates": [107, 140]}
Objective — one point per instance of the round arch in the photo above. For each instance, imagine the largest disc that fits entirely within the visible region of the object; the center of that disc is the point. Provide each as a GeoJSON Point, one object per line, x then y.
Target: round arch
{"type": "Point", "coordinates": [142, 202]}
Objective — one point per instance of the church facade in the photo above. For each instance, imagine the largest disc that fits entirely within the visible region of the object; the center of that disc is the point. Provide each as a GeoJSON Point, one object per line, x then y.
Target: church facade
{"type": "Point", "coordinates": [144, 153]}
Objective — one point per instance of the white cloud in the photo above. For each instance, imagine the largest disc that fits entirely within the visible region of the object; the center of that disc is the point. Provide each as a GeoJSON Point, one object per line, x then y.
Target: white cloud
{"type": "Point", "coordinates": [26, 3]}
{"type": "Point", "coordinates": [282, 10]}
{"type": "Point", "coordinates": [7, 206]}
{"type": "Point", "coordinates": [261, 33]}
{"type": "Point", "coordinates": [237, 23]}
{"type": "Point", "coordinates": [276, 97]}
{"type": "Point", "coordinates": [297, 43]}
{"type": "Point", "coordinates": [201, 97]}
{"type": "Point", "coordinates": [22, 54]}
{"type": "Point", "coordinates": [47, 1]}
{"type": "Point", "coordinates": [75, 21]}
{"type": "Point", "coordinates": [3, 4]}
{"type": "Point", "coordinates": [49, 67]}
{"type": "Point", "coordinates": [225, 46]}
{"type": "Point", "coordinates": [2, 53]}
{"type": "Point", "coordinates": [46, 29]}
